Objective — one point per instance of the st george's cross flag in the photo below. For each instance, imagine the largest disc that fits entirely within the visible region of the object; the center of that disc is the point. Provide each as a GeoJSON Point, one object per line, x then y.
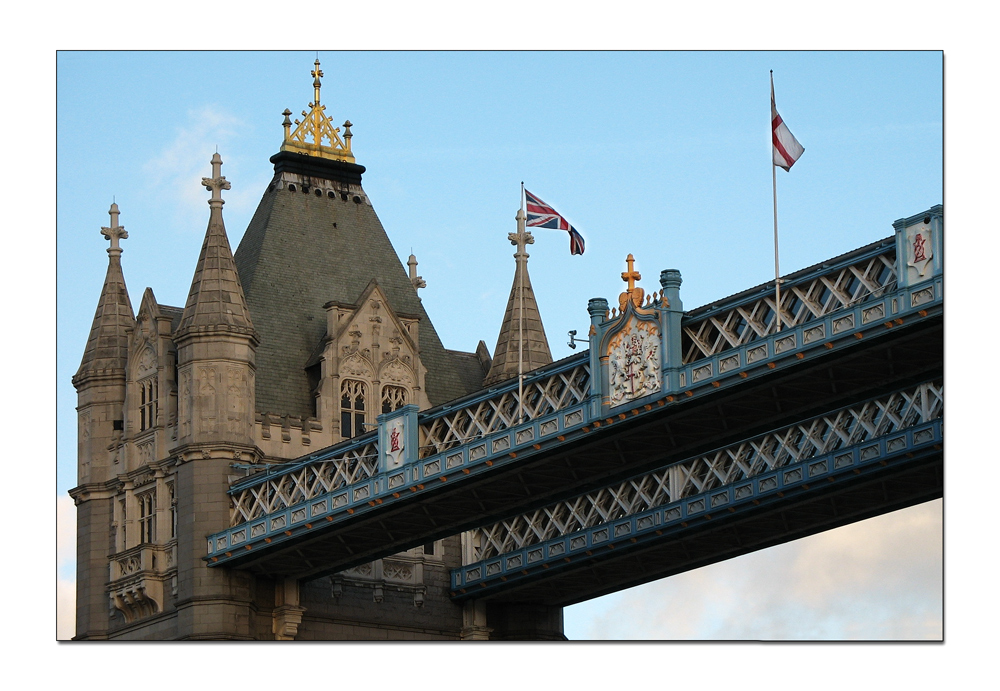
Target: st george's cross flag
{"type": "Point", "coordinates": [785, 148]}
{"type": "Point", "coordinates": [541, 215]}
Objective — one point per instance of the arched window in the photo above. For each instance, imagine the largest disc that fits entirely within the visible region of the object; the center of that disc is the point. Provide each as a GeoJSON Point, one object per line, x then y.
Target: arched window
{"type": "Point", "coordinates": [147, 517]}
{"type": "Point", "coordinates": [353, 394]}
{"type": "Point", "coordinates": [122, 534]}
{"type": "Point", "coordinates": [147, 403]}
{"type": "Point", "coordinates": [393, 398]}
{"type": "Point", "coordinates": [173, 510]}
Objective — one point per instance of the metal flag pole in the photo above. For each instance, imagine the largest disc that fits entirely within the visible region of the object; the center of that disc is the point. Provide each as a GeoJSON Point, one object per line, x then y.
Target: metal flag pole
{"type": "Point", "coordinates": [774, 190]}
{"type": "Point", "coordinates": [520, 316]}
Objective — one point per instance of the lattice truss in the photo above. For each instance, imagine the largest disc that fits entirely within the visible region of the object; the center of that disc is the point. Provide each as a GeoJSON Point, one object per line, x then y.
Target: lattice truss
{"type": "Point", "coordinates": [541, 397]}
{"type": "Point", "coordinates": [800, 302]}
{"type": "Point", "coordinates": [783, 447]}
{"type": "Point", "coordinates": [303, 484]}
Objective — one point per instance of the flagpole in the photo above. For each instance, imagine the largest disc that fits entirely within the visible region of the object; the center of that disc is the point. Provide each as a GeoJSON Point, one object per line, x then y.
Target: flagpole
{"type": "Point", "coordinates": [520, 321]}
{"type": "Point", "coordinates": [774, 191]}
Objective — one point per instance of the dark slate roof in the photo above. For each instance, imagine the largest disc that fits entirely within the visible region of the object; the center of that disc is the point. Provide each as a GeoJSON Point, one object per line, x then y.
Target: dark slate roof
{"type": "Point", "coordinates": [107, 346]}
{"type": "Point", "coordinates": [175, 314]}
{"type": "Point", "coordinates": [470, 369]}
{"type": "Point", "coordinates": [302, 251]}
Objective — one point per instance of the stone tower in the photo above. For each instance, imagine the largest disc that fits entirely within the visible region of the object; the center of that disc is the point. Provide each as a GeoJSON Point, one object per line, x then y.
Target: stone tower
{"type": "Point", "coordinates": [296, 342]}
{"type": "Point", "coordinates": [100, 383]}
{"type": "Point", "coordinates": [216, 344]}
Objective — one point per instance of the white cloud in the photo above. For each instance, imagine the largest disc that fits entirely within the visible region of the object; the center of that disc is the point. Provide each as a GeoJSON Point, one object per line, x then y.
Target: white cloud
{"type": "Point", "coordinates": [65, 532]}
{"type": "Point", "coordinates": [175, 173]}
{"type": "Point", "coordinates": [65, 609]}
{"type": "Point", "coordinates": [877, 579]}
{"type": "Point", "coordinates": [66, 566]}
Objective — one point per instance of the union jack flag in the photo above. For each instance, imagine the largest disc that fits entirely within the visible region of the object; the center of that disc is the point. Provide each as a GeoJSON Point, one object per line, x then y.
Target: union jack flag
{"type": "Point", "coordinates": [541, 215]}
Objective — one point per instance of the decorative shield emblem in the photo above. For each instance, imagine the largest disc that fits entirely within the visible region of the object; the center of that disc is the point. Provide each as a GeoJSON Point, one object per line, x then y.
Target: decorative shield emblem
{"type": "Point", "coordinates": [634, 362]}
{"type": "Point", "coordinates": [396, 432]}
{"type": "Point", "coordinates": [918, 248]}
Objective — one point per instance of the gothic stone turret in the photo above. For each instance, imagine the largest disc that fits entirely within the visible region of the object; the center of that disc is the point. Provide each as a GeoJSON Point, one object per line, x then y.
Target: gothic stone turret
{"type": "Point", "coordinates": [100, 385]}
{"type": "Point", "coordinates": [215, 342]}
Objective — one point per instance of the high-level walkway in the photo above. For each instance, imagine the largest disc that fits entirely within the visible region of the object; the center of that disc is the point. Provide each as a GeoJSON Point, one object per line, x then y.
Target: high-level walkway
{"type": "Point", "coordinates": [866, 459]}
{"type": "Point", "coordinates": [678, 439]}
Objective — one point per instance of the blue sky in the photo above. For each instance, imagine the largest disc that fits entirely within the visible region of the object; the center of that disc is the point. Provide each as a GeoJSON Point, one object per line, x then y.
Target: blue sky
{"type": "Point", "coordinates": [665, 155]}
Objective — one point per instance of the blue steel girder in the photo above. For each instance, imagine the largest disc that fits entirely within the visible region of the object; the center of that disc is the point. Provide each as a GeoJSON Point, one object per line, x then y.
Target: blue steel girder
{"type": "Point", "coordinates": [819, 471]}
{"type": "Point", "coordinates": [851, 352]}
{"type": "Point", "coordinates": [862, 276]}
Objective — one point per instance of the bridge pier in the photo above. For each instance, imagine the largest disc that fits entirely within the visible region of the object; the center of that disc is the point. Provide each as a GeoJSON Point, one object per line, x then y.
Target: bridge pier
{"type": "Point", "coordinates": [288, 612]}
{"type": "Point", "coordinates": [514, 621]}
{"type": "Point", "coordinates": [511, 621]}
{"type": "Point", "coordinates": [474, 626]}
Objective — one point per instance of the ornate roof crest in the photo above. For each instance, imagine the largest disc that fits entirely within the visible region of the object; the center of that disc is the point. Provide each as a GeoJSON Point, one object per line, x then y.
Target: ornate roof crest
{"type": "Point", "coordinates": [316, 135]}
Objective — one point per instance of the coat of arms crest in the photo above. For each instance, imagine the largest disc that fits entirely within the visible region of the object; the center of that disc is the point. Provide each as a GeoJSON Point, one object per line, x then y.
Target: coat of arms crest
{"type": "Point", "coordinates": [634, 362]}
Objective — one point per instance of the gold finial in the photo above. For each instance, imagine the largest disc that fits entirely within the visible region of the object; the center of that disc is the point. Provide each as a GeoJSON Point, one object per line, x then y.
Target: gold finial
{"type": "Point", "coordinates": [634, 293]}
{"type": "Point", "coordinates": [316, 73]}
{"type": "Point", "coordinates": [316, 135]}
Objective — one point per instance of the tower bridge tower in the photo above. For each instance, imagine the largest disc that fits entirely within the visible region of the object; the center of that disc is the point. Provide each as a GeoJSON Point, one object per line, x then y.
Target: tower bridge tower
{"type": "Point", "coordinates": [295, 342]}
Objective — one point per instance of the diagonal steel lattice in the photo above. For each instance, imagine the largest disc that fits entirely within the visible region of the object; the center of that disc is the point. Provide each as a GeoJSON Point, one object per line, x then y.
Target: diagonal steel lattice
{"type": "Point", "coordinates": [801, 301]}
{"type": "Point", "coordinates": [780, 448]}
{"type": "Point", "coordinates": [541, 397]}
{"type": "Point", "coordinates": [305, 483]}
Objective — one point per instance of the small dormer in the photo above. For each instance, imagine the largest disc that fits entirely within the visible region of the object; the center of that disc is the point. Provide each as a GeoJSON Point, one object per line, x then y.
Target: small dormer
{"type": "Point", "coordinates": [370, 364]}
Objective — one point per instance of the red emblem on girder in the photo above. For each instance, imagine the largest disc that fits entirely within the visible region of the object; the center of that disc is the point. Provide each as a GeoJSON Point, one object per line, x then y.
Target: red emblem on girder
{"type": "Point", "coordinates": [919, 253]}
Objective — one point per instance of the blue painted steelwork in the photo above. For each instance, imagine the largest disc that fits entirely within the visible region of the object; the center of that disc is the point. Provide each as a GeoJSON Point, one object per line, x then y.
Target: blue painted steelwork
{"type": "Point", "coordinates": [738, 460]}
{"type": "Point", "coordinates": [837, 331]}
{"type": "Point", "coordinates": [296, 497]}
{"type": "Point", "coordinates": [505, 569]}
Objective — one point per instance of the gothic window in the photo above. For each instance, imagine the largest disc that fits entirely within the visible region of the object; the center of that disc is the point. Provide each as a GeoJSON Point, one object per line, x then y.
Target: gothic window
{"type": "Point", "coordinates": [352, 408]}
{"type": "Point", "coordinates": [122, 513]}
{"type": "Point", "coordinates": [393, 398]}
{"type": "Point", "coordinates": [147, 517]}
{"type": "Point", "coordinates": [147, 403]}
{"type": "Point", "coordinates": [173, 510]}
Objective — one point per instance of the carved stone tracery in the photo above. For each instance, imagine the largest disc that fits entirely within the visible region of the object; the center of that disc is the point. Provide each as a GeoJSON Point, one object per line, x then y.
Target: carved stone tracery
{"type": "Point", "coordinates": [402, 572]}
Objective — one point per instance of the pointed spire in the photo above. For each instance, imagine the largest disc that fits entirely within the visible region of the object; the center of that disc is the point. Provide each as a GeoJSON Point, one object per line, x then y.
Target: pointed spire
{"type": "Point", "coordinates": [535, 346]}
{"type": "Point", "coordinates": [216, 297]}
{"type": "Point", "coordinates": [107, 346]}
